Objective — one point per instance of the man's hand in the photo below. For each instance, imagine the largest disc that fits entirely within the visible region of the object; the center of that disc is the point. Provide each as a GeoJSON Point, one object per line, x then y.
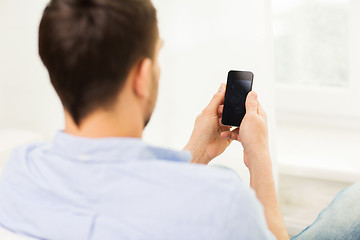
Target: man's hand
{"type": "Point", "coordinates": [252, 133]}
{"type": "Point", "coordinates": [254, 137]}
{"type": "Point", "coordinates": [206, 142]}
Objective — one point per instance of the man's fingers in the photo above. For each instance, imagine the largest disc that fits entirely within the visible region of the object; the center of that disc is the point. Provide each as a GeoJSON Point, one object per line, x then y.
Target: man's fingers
{"type": "Point", "coordinates": [220, 109]}
{"type": "Point", "coordinates": [229, 135]}
{"type": "Point", "coordinates": [251, 103]}
{"type": "Point", "coordinates": [220, 123]}
{"type": "Point", "coordinates": [222, 127]}
{"type": "Point", "coordinates": [217, 100]}
{"type": "Point", "coordinates": [232, 135]}
{"type": "Point", "coordinates": [261, 111]}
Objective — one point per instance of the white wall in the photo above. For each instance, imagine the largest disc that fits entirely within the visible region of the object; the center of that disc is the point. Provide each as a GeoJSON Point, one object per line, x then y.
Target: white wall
{"type": "Point", "coordinates": [27, 100]}
{"type": "Point", "coordinates": [203, 41]}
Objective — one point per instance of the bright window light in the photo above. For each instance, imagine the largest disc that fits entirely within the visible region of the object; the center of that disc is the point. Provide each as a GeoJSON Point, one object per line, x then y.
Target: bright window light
{"type": "Point", "coordinates": [311, 42]}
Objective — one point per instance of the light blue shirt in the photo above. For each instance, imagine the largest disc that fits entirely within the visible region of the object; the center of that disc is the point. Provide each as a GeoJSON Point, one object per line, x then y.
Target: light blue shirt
{"type": "Point", "coordinates": [121, 188]}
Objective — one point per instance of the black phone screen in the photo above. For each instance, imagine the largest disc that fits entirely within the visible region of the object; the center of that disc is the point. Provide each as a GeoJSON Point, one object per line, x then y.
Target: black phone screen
{"type": "Point", "coordinates": [239, 84]}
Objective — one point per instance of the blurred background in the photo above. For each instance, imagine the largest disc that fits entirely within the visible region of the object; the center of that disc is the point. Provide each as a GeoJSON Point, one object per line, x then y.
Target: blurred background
{"type": "Point", "coordinates": [305, 55]}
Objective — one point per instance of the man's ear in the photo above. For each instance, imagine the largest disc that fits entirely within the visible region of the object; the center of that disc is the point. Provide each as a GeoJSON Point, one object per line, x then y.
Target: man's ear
{"type": "Point", "coordinates": [142, 78]}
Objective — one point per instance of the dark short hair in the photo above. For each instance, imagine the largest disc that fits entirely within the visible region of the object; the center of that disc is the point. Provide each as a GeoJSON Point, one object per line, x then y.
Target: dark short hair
{"type": "Point", "coordinates": [89, 47]}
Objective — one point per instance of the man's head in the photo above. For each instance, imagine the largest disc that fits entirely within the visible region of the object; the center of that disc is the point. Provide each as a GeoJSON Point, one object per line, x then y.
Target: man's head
{"type": "Point", "coordinates": [91, 47]}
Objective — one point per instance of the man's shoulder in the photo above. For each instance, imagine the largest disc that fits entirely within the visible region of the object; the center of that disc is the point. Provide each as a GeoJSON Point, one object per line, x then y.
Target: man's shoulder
{"type": "Point", "coordinates": [218, 197]}
{"type": "Point", "coordinates": [211, 181]}
{"type": "Point", "coordinates": [230, 201]}
{"type": "Point", "coordinates": [22, 152]}
{"type": "Point", "coordinates": [213, 175]}
{"type": "Point", "coordinates": [28, 148]}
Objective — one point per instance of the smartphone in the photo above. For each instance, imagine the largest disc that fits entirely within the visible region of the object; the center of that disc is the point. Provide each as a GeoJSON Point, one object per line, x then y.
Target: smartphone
{"type": "Point", "coordinates": [239, 84]}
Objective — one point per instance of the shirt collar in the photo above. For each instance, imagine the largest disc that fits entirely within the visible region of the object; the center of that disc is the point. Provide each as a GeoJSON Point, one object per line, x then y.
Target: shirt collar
{"type": "Point", "coordinates": [112, 148]}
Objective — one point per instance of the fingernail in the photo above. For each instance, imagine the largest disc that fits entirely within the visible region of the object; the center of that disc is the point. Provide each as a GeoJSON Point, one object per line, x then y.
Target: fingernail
{"type": "Point", "coordinates": [222, 87]}
{"type": "Point", "coordinates": [253, 95]}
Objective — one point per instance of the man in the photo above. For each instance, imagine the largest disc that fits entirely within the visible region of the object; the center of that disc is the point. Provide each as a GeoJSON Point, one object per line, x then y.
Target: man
{"type": "Point", "coordinates": [97, 179]}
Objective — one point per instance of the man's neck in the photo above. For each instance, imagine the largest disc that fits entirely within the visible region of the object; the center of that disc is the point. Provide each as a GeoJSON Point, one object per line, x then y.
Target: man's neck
{"type": "Point", "coordinates": [102, 124]}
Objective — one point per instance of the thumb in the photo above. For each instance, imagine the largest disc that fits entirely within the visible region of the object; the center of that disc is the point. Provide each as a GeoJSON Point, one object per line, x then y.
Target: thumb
{"type": "Point", "coordinates": [217, 99]}
{"type": "Point", "coordinates": [251, 103]}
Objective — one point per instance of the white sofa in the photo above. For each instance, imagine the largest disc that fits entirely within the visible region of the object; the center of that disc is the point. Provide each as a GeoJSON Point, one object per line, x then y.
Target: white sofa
{"type": "Point", "coordinates": [9, 139]}
{"type": "Point", "coordinates": [7, 235]}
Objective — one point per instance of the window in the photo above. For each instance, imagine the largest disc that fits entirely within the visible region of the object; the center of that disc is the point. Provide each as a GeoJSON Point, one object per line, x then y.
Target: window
{"type": "Point", "coordinates": [317, 78]}
{"type": "Point", "coordinates": [316, 56]}
{"type": "Point", "coordinates": [311, 42]}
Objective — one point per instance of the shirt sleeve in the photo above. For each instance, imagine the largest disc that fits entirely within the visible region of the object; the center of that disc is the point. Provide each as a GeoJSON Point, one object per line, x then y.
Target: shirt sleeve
{"type": "Point", "coordinates": [246, 219]}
